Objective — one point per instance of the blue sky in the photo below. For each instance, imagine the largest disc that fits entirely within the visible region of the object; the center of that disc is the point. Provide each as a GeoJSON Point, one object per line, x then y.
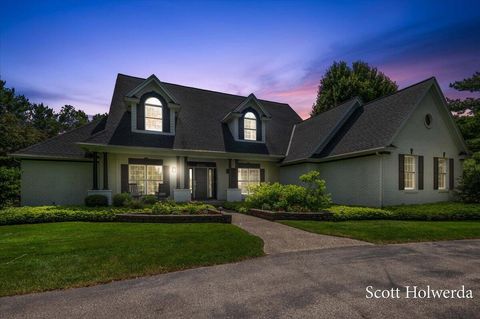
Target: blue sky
{"type": "Point", "coordinates": [69, 52]}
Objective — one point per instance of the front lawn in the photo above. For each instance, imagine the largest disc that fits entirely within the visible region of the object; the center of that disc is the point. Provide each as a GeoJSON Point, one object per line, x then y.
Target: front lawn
{"type": "Point", "coordinates": [393, 231]}
{"type": "Point", "coordinates": [60, 255]}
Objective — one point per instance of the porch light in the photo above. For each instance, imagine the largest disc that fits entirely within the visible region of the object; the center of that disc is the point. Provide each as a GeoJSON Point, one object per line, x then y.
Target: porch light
{"type": "Point", "coordinates": [174, 170]}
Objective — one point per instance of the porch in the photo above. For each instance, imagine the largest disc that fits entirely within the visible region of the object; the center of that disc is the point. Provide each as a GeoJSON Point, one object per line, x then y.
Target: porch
{"type": "Point", "coordinates": [181, 178]}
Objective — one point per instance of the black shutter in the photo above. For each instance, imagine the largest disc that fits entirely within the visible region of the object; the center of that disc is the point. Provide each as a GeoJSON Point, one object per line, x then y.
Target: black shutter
{"type": "Point", "coordinates": [233, 178]}
{"type": "Point", "coordinates": [124, 178]}
{"type": "Point", "coordinates": [262, 175]}
{"type": "Point", "coordinates": [140, 116]}
{"type": "Point", "coordinates": [451, 175]}
{"type": "Point", "coordinates": [166, 119]}
{"type": "Point", "coordinates": [166, 179]}
{"type": "Point", "coordinates": [259, 128]}
{"type": "Point", "coordinates": [401, 171]}
{"type": "Point", "coordinates": [435, 173]}
{"type": "Point", "coordinates": [420, 172]}
{"type": "Point", "coordinates": [241, 129]}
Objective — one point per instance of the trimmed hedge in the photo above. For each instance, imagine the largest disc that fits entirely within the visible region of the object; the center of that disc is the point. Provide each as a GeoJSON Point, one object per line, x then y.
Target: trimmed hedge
{"type": "Point", "coordinates": [436, 211]}
{"type": "Point", "coordinates": [96, 201]}
{"type": "Point", "coordinates": [341, 213]}
{"type": "Point", "coordinates": [172, 208]}
{"type": "Point", "coordinates": [121, 200]}
{"type": "Point", "coordinates": [49, 214]}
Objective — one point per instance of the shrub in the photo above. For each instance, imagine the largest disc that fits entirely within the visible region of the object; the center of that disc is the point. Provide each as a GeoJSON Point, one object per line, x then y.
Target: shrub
{"type": "Point", "coordinates": [317, 197]}
{"type": "Point", "coordinates": [149, 199]}
{"type": "Point", "coordinates": [121, 200]}
{"type": "Point", "coordinates": [135, 203]}
{"type": "Point", "coordinates": [469, 186]}
{"type": "Point", "coordinates": [278, 197]}
{"type": "Point", "coordinates": [291, 198]}
{"type": "Point", "coordinates": [341, 213]}
{"type": "Point", "coordinates": [172, 208]}
{"type": "Point", "coordinates": [46, 214]}
{"type": "Point", "coordinates": [96, 200]}
{"type": "Point", "coordinates": [9, 186]}
{"type": "Point", "coordinates": [436, 211]}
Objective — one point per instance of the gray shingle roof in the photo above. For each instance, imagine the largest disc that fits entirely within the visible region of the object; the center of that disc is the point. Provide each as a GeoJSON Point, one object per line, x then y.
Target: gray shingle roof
{"type": "Point", "coordinates": [348, 128]}
{"type": "Point", "coordinates": [64, 145]}
{"type": "Point", "coordinates": [375, 123]}
{"type": "Point", "coordinates": [198, 125]}
{"type": "Point", "coordinates": [310, 135]}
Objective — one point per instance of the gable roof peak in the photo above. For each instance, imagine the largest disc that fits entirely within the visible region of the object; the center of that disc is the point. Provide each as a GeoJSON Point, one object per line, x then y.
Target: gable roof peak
{"type": "Point", "coordinates": [152, 78]}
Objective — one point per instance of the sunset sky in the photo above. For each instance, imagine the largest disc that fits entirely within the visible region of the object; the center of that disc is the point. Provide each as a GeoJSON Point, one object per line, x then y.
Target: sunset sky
{"type": "Point", "coordinates": [69, 52]}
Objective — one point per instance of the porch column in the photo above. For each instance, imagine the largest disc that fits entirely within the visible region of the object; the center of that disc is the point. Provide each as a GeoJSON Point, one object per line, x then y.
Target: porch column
{"type": "Point", "coordinates": [186, 174]}
{"type": "Point", "coordinates": [105, 170]}
{"type": "Point", "coordinates": [178, 173]}
{"type": "Point", "coordinates": [95, 171]}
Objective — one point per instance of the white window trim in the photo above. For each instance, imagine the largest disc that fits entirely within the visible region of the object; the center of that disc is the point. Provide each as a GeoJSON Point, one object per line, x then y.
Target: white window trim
{"type": "Point", "coordinates": [443, 175]}
{"type": "Point", "coordinates": [136, 130]}
{"type": "Point", "coordinates": [146, 180]}
{"type": "Point", "coordinates": [414, 173]}
{"type": "Point", "coordinates": [248, 181]}
{"type": "Point", "coordinates": [151, 105]}
{"type": "Point", "coordinates": [255, 130]}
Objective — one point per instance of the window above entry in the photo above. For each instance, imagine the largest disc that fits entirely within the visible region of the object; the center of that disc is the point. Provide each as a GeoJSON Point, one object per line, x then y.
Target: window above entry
{"type": "Point", "coordinates": [153, 114]}
{"type": "Point", "coordinates": [250, 126]}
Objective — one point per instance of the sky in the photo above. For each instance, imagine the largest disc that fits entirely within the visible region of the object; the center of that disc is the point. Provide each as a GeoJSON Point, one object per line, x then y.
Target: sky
{"type": "Point", "coordinates": [70, 52]}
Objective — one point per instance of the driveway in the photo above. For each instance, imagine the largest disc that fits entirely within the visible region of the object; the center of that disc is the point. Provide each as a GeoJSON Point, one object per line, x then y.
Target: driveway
{"type": "Point", "coordinates": [328, 283]}
{"type": "Point", "coordinates": [279, 238]}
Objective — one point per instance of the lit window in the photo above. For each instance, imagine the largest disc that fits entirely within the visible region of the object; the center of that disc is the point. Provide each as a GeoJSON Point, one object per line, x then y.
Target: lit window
{"type": "Point", "coordinates": [248, 177]}
{"type": "Point", "coordinates": [250, 126]}
{"type": "Point", "coordinates": [153, 114]}
{"type": "Point", "coordinates": [146, 177]}
{"type": "Point", "coordinates": [410, 172]}
{"type": "Point", "coordinates": [442, 173]}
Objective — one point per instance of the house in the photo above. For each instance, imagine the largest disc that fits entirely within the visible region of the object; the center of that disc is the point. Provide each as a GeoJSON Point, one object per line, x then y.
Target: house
{"type": "Point", "coordinates": [193, 144]}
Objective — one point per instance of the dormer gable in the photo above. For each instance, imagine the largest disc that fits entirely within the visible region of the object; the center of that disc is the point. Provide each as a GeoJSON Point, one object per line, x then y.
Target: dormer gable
{"type": "Point", "coordinates": [153, 107]}
{"type": "Point", "coordinates": [247, 122]}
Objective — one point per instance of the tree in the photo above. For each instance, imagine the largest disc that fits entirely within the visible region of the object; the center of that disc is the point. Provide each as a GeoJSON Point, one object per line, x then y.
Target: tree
{"type": "Point", "coordinates": [99, 116]}
{"type": "Point", "coordinates": [467, 111]}
{"type": "Point", "coordinates": [45, 120]}
{"type": "Point", "coordinates": [70, 118]}
{"type": "Point", "coordinates": [342, 82]}
{"type": "Point", "coordinates": [469, 186]}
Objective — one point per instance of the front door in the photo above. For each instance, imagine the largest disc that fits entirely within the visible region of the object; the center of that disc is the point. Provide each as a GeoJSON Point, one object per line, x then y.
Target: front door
{"type": "Point", "coordinates": [201, 185]}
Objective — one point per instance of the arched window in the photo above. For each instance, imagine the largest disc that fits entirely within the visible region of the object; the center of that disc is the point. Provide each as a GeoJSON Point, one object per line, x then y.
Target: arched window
{"type": "Point", "coordinates": [153, 114]}
{"type": "Point", "coordinates": [250, 126]}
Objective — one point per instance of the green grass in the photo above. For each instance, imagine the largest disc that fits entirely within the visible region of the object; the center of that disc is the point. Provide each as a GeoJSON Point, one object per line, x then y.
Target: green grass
{"type": "Point", "coordinates": [60, 255]}
{"type": "Point", "coordinates": [393, 231]}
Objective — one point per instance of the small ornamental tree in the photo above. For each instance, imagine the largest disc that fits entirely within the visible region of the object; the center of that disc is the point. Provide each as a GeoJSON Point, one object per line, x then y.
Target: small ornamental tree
{"type": "Point", "coordinates": [317, 196]}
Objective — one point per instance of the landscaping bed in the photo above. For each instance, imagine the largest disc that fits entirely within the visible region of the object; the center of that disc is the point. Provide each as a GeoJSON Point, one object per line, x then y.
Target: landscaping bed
{"type": "Point", "coordinates": [166, 212]}
{"type": "Point", "coordinates": [210, 216]}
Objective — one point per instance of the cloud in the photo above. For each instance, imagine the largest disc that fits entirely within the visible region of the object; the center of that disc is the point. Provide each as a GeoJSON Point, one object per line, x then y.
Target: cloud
{"type": "Point", "coordinates": [85, 101]}
{"type": "Point", "coordinates": [407, 55]}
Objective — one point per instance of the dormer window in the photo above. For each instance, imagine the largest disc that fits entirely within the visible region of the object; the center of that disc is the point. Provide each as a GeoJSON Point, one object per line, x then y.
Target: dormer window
{"type": "Point", "coordinates": [153, 114]}
{"type": "Point", "coordinates": [250, 126]}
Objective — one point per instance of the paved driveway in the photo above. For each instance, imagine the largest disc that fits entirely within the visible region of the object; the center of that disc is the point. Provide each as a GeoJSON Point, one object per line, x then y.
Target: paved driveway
{"type": "Point", "coordinates": [328, 283]}
{"type": "Point", "coordinates": [279, 238]}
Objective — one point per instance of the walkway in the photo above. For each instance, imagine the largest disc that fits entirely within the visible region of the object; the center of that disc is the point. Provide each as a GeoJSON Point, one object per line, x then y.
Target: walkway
{"type": "Point", "coordinates": [279, 238]}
